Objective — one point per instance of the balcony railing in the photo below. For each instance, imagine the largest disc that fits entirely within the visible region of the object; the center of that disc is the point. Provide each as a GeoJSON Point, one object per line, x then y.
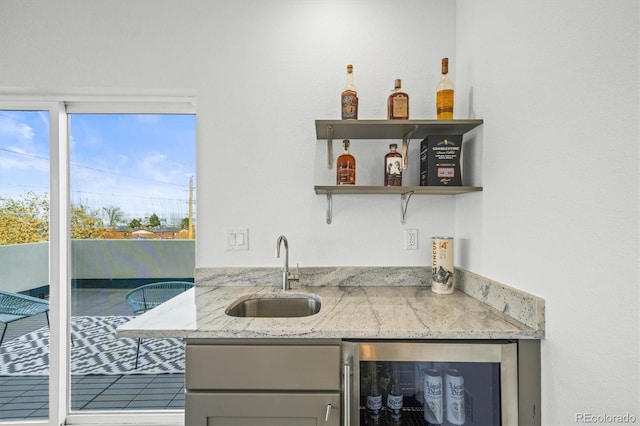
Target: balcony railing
{"type": "Point", "coordinates": [102, 271]}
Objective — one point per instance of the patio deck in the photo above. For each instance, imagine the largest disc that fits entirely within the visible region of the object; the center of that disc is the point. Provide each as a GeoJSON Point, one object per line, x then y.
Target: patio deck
{"type": "Point", "coordinates": [27, 397]}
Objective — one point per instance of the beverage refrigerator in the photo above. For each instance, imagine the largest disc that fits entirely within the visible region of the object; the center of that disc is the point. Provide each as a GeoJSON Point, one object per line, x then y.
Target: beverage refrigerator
{"type": "Point", "coordinates": [425, 383]}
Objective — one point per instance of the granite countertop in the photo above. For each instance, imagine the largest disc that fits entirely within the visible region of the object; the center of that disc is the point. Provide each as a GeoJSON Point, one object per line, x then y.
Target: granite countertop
{"type": "Point", "coordinates": [357, 303]}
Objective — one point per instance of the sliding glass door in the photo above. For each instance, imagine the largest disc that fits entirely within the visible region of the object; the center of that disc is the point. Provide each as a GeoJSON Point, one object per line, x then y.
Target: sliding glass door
{"type": "Point", "coordinates": [131, 181]}
{"type": "Point", "coordinates": [97, 199]}
{"type": "Point", "coordinates": [24, 264]}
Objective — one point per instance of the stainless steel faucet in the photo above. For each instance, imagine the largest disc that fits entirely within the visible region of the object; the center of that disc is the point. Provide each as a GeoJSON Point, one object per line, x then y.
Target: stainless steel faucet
{"type": "Point", "coordinates": [286, 276]}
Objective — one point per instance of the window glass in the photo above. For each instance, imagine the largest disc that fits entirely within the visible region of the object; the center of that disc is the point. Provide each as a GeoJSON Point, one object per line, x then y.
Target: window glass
{"type": "Point", "coordinates": [132, 193]}
{"type": "Point", "coordinates": [24, 264]}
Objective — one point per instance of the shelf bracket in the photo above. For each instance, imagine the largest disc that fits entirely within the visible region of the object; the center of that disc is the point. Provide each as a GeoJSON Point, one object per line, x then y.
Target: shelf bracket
{"type": "Point", "coordinates": [329, 147]}
{"type": "Point", "coordinates": [329, 208]}
{"type": "Point", "coordinates": [405, 146]}
{"type": "Point", "coordinates": [404, 203]}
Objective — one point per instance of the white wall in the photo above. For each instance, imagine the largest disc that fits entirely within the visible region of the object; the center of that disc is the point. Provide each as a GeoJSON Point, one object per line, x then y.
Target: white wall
{"type": "Point", "coordinates": [283, 67]}
{"type": "Point", "coordinates": [557, 217]}
{"type": "Point", "coordinates": [557, 85]}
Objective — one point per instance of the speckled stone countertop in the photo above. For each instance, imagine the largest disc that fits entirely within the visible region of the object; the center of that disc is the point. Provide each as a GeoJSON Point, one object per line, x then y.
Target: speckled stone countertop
{"type": "Point", "coordinates": [357, 303]}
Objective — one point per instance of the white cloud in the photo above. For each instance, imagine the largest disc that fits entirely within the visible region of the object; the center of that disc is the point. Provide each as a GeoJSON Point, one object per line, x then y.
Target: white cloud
{"type": "Point", "coordinates": [20, 146]}
{"type": "Point", "coordinates": [24, 163]}
{"type": "Point", "coordinates": [155, 167]}
{"type": "Point", "coordinates": [15, 130]}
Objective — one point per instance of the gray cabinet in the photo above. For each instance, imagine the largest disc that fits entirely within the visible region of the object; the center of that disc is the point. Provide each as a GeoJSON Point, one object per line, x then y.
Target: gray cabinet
{"type": "Point", "coordinates": [262, 409]}
{"type": "Point", "coordinates": [270, 383]}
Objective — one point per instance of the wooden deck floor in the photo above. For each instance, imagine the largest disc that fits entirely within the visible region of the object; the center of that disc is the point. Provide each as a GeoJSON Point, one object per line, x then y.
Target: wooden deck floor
{"type": "Point", "coordinates": [27, 397]}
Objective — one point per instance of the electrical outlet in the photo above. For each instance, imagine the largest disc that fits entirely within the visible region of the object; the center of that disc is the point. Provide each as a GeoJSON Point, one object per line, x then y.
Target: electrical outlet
{"type": "Point", "coordinates": [411, 239]}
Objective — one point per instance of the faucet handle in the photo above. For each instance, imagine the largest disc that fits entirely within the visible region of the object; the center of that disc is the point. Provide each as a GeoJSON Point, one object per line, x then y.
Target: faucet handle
{"type": "Point", "coordinates": [296, 276]}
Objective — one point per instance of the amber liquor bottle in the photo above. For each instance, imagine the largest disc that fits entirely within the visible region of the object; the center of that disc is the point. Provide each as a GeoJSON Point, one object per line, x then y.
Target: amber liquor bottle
{"type": "Point", "coordinates": [444, 94]}
{"type": "Point", "coordinates": [345, 166]}
{"type": "Point", "coordinates": [398, 103]}
{"type": "Point", "coordinates": [349, 97]}
{"type": "Point", "coordinates": [393, 167]}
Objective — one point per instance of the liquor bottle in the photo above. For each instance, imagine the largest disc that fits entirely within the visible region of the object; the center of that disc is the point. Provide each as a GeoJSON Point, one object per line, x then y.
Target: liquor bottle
{"type": "Point", "coordinates": [349, 97]}
{"type": "Point", "coordinates": [444, 94]}
{"type": "Point", "coordinates": [398, 103]}
{"type": "Point", "coordinates": [385, 381]}
{"type": "Point", "coordinates": [393, 167]}
{"type": "Point", "coordinates": [374, 396]}
{"type": "Point", "coordinates": [345, 166]}
{"type": "Point", "coordinates": [394, 397]}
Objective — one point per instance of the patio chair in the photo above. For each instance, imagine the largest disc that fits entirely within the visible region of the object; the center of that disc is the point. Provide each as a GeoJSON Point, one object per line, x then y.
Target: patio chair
{"type": "Point", "coordinates": [148, 296]}
{"type": "Point", "coordinates": [16, 306]}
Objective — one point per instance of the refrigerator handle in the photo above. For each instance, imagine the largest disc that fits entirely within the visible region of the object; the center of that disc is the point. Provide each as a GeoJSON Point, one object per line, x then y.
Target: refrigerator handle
{"type": "Point", "coordinates": [346, 393]}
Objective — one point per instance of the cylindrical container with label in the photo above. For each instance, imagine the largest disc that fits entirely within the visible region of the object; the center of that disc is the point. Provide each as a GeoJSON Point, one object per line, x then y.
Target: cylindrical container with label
{"type": "Point", "coordinates": [433, 412]}
{"type": "Point", "coordinates": [442, 265]}
{"type": "Point", "coordinates": [454, 395]}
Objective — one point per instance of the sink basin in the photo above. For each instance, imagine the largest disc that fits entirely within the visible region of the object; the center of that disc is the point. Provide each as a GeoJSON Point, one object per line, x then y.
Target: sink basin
{"type": "Point", "coordinates": [275, 306]}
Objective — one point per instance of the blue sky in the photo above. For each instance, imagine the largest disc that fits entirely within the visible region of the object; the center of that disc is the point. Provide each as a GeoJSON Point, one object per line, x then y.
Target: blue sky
{"type": "Point", "coordinates": [139, 163]}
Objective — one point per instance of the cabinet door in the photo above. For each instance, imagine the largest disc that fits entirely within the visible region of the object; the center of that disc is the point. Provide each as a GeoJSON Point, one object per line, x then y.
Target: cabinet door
{"type": "Point", "coordinates": [262, 409]}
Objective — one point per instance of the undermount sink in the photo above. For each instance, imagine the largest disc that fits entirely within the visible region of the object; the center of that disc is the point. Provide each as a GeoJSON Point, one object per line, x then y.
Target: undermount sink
{"type": "Point", "coordinates": [275, 306]}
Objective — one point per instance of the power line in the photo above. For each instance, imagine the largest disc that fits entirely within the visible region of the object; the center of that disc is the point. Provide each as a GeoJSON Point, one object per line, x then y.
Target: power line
{"type": "Point", "coordinates": [25, 154]}
{"type": "Point", "coordinates": [95, 169]}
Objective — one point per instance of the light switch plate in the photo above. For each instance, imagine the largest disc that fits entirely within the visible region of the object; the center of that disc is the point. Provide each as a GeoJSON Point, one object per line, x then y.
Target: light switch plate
{"type": "Point", "coordinates": [236, 239]}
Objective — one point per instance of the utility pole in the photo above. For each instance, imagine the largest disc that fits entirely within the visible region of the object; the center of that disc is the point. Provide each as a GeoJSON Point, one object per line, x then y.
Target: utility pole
{"type": "Point", "coordinates": [191, 236]}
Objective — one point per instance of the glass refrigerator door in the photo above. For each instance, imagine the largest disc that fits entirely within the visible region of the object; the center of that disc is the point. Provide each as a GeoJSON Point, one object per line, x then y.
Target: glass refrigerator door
{"type": "Point", "coordinates": [435, 384]}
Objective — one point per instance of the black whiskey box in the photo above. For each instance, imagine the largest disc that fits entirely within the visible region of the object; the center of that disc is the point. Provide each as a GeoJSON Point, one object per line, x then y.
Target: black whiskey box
{"type": "Point", "coordinates": [440, 161]}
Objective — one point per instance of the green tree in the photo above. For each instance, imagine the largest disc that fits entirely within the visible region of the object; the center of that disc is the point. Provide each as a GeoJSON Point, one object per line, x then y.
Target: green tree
{"type": "Point", "coordinates": [25, 220]}
{"type": "Point", "coordinates": [114, 214]}
{"type": "Point", "coordinates": [154, 221]}
{"type": "Point", "coordinates": [184, 223]}
{"type": "Point", "coordinates": [135, 224]}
